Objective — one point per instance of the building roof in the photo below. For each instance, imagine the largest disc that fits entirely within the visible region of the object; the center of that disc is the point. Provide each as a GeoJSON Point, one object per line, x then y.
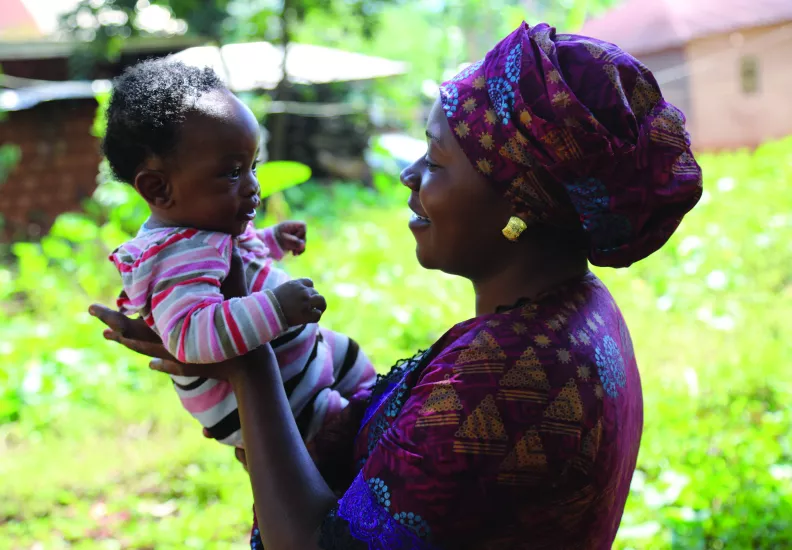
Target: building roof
{"type": "Point", "coordinates": [17, 21]}
{"type": "Point", "coordinates": [31, 19]}
{"type": "Point", "coordinates": [258, 65]}
{"type": "Point", "coordinates": [29, 29]}
{"type": "Point", "coordinates": [48, 48]}
{"type": "Point", "coordinates": [244, 67]}
{"type": "Point", "coordinates": [646, 26]}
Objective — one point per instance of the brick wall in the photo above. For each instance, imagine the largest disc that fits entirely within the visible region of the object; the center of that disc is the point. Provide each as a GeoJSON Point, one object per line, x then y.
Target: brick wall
{"type": "Point", "coordinates": [45, 69]}
{"type": "Point", "coordinates": [57, 168]}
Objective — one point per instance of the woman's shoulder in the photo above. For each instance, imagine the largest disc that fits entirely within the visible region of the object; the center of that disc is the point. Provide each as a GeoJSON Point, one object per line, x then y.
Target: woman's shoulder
{"type": "Point", "coordinates": [538, 352]}
{"type": "Point", "coordinates": [571, 321]}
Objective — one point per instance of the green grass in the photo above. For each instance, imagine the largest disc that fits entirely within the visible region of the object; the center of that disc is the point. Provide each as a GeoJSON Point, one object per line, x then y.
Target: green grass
{"type": "Point", "coordinates": [95, 451]}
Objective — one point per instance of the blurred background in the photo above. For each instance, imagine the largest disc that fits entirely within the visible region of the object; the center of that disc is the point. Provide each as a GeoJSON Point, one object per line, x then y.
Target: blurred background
{"type": "Point", "coordinates": [95, 451]}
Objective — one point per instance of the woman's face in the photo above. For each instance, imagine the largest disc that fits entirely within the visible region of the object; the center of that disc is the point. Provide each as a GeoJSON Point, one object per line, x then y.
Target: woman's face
{"type": "Point", "coordinates": [457, 214]}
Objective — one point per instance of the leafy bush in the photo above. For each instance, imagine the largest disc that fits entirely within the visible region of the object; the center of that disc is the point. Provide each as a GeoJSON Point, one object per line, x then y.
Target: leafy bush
{"type": "Point", "coordinates": [95, 451]}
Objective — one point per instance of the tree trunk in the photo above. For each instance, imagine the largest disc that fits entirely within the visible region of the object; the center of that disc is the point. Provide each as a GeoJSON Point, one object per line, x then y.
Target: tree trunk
{"type": "Point", "coordinates": [278, 128]}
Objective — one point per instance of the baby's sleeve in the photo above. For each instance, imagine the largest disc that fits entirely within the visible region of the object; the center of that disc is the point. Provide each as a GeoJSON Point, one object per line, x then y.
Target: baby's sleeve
{"type": "Point", "coordinates": [196, 323]}
{"type": "Point", "coordinates": [267, 235]}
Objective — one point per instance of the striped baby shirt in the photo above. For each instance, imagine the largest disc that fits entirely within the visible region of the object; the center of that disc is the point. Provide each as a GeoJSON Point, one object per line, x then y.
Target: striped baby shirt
{"type": "Point", "coordinates": [172, 276]}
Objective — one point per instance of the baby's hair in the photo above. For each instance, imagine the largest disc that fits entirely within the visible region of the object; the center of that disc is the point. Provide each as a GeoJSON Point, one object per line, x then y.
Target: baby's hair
{"type": "Point", "coordinates": [148, 103]}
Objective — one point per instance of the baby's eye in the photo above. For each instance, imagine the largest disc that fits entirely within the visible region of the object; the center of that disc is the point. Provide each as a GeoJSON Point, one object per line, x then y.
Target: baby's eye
{"type": "Point", "coordinates": [255, 164]}
{"type": "Point", "coordinates": [235, 173]}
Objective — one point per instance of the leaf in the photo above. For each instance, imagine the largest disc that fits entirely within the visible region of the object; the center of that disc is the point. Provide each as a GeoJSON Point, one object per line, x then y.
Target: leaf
{"type": "Point", "coordinates": [100, 119]}
{"type": "Point", "coordinates": [9, 158]}
{"type": "Point", "coordinates": [276, 176]}
{"type": "Point", "coordinates": [112, 235]}
{"type": "Point", "coordinates": [55, 248]}
{"type": "Point", "coordinates": [75, 228]}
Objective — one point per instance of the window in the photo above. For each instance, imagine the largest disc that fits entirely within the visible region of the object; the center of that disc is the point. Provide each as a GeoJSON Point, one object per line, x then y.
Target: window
{"type": "Point", "coordinates": [749, 74]}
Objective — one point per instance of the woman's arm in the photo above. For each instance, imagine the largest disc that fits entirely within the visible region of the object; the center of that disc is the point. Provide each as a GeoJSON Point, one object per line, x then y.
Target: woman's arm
{"type": "Point", "coordinates": [290, 495]}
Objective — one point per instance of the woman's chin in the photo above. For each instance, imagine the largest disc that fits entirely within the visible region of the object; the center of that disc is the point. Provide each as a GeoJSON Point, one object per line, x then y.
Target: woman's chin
{"type": "Point", "coordinates": [424, 258]}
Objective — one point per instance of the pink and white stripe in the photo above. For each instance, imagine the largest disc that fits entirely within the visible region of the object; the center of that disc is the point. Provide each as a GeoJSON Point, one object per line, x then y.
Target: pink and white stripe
{"type": "Point", "coordinates": [172, 277]}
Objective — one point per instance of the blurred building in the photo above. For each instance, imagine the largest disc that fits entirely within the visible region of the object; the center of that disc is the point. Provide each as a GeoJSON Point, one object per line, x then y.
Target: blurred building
{"type": "Point", "coordinates": [726, 63]}
{"type": "Point", "coordinates": [49, 116]}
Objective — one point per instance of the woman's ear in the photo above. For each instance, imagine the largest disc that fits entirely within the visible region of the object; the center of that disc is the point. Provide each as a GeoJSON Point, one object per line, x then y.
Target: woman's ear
{"type": "Point", "coordinates": [154, 187]}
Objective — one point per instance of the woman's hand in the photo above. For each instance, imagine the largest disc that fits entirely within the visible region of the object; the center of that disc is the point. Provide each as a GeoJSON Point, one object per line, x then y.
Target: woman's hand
{"type": "Point", "coordinates": [216, 371]}
{"type": "Point", "coordinates": [134, 334]}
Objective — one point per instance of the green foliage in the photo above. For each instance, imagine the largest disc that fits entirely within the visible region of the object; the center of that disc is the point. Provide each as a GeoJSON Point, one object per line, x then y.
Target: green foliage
{"type": "Point", "coordinates": [278, 175]}
{"type": "Point", "coordinates": [103, 27]}
{"type": "Point", "coordinates": [95, 451]}
{"type": "Point", "coordinates": [443, 35]}
{"type": "Point", "coordinates": [109, 22]}
{"type": "Point", "coordinates": [9, 156]}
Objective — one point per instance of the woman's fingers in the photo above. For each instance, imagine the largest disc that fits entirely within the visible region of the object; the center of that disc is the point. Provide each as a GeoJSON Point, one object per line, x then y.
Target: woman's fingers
{"type": "Point", "coordinates": [241, 457]}
{"type": "Point", "coordinates": [174, 367]}
{"type": "Point", "coordinates": [134, 329]}
{"type": "Point", "coordinates": [151, 349]}
{"type": "Point", "coordinates": [217, 371]}
{"type": "Point", "coordinates": [112, 319]}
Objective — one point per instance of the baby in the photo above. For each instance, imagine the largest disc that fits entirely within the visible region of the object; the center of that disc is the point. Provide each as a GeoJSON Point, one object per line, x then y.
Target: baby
{"type": "Point", "coordinates": [189, 147]}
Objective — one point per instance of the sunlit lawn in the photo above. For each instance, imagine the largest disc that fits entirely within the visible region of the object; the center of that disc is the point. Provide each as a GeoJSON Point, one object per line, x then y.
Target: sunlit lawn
{"type": "Point", "coordinates": [103, 457]}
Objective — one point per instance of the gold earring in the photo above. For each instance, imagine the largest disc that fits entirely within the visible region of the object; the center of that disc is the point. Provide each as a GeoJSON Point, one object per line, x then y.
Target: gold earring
{"type": "Point", "coordinates": [514, 228]}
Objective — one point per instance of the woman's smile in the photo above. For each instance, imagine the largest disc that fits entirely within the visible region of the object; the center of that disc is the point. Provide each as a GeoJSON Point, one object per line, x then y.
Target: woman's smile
{"type": "Point", "coordinates": [418, 220]}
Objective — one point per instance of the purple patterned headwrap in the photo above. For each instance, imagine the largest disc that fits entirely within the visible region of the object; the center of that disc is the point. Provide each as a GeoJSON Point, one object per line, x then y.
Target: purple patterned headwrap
{"type": "Point", "coordinates": [575, 131]}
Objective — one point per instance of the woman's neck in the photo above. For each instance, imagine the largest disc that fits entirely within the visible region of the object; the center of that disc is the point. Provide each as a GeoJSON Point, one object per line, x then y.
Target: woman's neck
{"type": "Point", "coordinates": [526, 279]}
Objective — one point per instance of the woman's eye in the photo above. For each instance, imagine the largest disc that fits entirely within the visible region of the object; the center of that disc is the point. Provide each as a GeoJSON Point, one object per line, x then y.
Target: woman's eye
{"type": "Point", "coordinates": [429, 164]}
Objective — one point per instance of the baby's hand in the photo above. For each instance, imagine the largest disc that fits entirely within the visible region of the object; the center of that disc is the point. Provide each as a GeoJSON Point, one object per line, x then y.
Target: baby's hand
{"type": "Point", "coordinates": [291, 237]}
{"type": "Point", "coordinates": [300, 302]}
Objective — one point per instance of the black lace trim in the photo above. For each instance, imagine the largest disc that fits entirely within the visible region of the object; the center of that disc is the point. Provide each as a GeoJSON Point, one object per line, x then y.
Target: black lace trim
{"type": "Point", "coordinates": [519, 303]}
{"type": "Point", "coordinates": [334, 534]}
{"type": "Point", "coordinates": [396, 373]}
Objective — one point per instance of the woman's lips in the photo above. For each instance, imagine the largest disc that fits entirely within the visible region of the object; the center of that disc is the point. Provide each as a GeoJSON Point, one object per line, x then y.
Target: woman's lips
{"type": "Point", "coordinates": [419, 217]}
{"type": "Point", "coordinates": [417, 221]}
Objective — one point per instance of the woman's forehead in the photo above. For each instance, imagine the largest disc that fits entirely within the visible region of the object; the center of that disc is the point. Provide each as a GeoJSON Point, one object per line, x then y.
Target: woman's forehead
{"type": "Point", "coordinates": [437, 129]}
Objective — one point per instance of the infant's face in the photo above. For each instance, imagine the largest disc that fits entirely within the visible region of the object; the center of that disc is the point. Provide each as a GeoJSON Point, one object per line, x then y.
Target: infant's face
{"type": "Point", "coordinates": [212, 170]}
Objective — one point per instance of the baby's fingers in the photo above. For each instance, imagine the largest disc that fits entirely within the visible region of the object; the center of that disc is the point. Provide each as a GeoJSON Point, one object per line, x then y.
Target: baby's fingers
{"type": "Point", "coordinates": [317, 301]}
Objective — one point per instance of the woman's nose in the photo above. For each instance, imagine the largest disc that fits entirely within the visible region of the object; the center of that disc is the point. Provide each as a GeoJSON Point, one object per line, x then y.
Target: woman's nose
{"type": "Point", "coordinates": [410, 177]}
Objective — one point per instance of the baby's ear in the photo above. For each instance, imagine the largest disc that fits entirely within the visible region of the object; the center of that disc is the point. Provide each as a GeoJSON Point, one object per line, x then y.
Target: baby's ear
{"type": "Point", "coordinates": [155, 188]}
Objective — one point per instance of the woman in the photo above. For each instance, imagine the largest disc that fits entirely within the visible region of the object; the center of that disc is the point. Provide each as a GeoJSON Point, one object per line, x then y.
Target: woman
{"type": "Point", "coordinates": [519, 428]}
